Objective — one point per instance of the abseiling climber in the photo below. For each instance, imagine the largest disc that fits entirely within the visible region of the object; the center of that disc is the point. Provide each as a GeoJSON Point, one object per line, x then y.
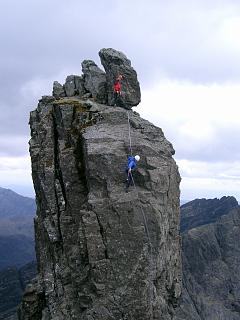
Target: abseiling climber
{"type": "Point", "coordinates": [131, 165]}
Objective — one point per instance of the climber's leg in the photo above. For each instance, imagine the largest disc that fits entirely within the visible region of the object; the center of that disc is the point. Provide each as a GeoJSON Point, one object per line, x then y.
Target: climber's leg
{"type": "Point", "coordinates": [127, 180]}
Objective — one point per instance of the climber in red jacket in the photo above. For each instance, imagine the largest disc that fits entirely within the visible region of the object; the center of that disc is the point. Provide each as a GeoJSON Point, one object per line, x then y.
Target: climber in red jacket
{"type": "Point", "coordinates": [117, 94]}
{"type": "Point", "coordinates": [117, 91]}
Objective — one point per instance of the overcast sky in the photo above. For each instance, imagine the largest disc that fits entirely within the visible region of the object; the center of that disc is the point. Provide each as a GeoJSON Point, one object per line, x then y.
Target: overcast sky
{"type": "Point", "coordinates": [186, 54]}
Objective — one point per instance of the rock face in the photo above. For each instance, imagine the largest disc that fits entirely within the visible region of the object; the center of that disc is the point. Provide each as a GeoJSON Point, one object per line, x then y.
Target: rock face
{"type": "Point", "coordinates": [115, 63]}
{"type": "Point", "coordinates": [96, 84]}
{"type": "Point", "coordinates": [103, 254]}
{"type": "Point", "coordinates": [211, 273]}
{"type": "Point", "coordinates": [203, 211]}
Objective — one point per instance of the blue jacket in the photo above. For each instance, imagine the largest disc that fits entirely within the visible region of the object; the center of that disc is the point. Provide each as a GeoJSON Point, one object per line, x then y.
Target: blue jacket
{"type": "Point", "coordinates": [132, 163]}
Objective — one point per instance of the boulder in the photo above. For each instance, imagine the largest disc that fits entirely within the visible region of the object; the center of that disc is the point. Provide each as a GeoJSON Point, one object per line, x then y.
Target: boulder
{"type": "Point", "coordinates": [115, 63]}
{"type": "Point", "coordinates": [58, 90]}
{"type": "Point", "coordinates": [74, 85]}
{"type": "Point", "coordinates": [94, 80]}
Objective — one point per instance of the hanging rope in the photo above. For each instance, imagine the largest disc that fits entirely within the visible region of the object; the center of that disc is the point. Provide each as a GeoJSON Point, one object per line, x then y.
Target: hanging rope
{"type": "Point", "coordinates": [129, 134]}
{"type": "Point", "coordinates": [143, 214]}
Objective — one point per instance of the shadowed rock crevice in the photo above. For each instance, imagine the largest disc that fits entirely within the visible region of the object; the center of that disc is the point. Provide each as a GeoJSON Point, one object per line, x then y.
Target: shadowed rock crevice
{"type": "Point", "coordinates": [60, 192]}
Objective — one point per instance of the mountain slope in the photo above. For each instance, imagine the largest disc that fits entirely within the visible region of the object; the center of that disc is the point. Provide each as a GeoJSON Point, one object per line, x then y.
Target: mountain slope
{"type": "Point", "coordinates": [12, 284]}
{"type": "Point", "coordinates": [16, 229]}
{"type": "Point", "coordinates": [16, 250]}
{"type": "Point", "coordinates": [15, 205]}
{"type": "Point", "coordinates": [16, 214]}
{"type": "Point", "coordinates": [211, 273]}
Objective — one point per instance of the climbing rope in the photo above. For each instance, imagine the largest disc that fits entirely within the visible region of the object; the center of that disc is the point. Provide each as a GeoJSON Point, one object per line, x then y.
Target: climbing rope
{"type": "Point", "coordinates": [143, 214]}
{"type": "Point", "coordinates": [129, 134]}
{"type": "Point", "coordinates": [151, 264]}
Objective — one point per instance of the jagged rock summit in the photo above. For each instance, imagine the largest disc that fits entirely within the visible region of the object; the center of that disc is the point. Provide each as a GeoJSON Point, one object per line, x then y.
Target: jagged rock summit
{"type": "Point", "coordinates": [97, 84]}
{"type": "Point", "coordinates": [204, 211]}
{"type": "Point", "coordinates": [102, 253]}
{"type": "Point", "coordinates": [115, 63]}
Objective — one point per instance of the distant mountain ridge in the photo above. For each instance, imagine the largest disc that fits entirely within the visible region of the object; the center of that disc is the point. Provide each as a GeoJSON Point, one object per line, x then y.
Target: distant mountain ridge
{"type": "Point", "coordinates": [16, 214]}
{"type": "Point", "coordinates": [204, 211]}
{"type": "Point", "coordinates": [12, 204]}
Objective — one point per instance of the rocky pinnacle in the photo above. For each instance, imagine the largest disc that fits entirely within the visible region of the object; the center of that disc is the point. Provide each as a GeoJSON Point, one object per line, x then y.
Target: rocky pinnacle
{"type": "Point", "coordinates": [102, 253]}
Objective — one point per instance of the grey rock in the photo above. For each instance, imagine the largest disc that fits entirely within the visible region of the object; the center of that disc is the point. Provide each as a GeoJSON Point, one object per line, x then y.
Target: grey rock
{"type": "Point", "coordinates": [87, 95]}
{"type": "Point", "coordinates": [115, 63]}
{"type": "Point", "coordinates": [33, 303]}
{"type": "Point", "coordinates": [211, 273]}
{"type": "Point", "coordinates": [79, 85]}
{"type": "Point", "coordinates": [74, 86]}
{"type": "Point", "coordinates": [58, 90]}
{"type": "Point", "coordinates": [69, 86]}
{"type": "Point", "coordinates": [94, 80]}
{"type": "Point", "coordinates": [97, 256]}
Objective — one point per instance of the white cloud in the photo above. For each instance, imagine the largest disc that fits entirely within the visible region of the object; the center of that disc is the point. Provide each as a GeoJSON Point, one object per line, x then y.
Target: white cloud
{"type": "Point", "coordinates": [39, 86]}
{"type": "Point", "coordinates": [192, 188]}
{"type": "Point", "coordinates": [203, 123]}
{"type": "Point", "coordinates": [197, 119]}
{"type": "Point", "coordinates": [13, 145]}
{"type": "Point", "coordinates": [216, 170]}
{"type": "Point", "coordinates": [18, 163]}
{"type": "Point", "coordinates": [15, 173]}
{"type": "Point", "coordinates": [189, 49]}
{"type": "Point", "coordinates": [15, 170]}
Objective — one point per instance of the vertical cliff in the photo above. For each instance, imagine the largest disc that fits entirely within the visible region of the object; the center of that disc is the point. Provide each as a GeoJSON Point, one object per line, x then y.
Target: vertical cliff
{"type": "Point", "coordinates": [102, 253]}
